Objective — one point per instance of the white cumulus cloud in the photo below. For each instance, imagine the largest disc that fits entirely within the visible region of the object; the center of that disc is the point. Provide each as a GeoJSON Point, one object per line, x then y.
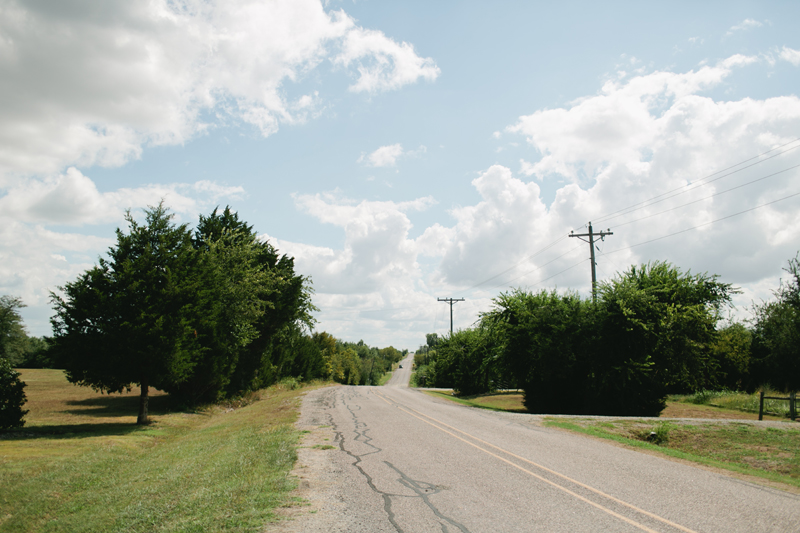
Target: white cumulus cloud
{"type": "Point", "coordinates": [93, 84]}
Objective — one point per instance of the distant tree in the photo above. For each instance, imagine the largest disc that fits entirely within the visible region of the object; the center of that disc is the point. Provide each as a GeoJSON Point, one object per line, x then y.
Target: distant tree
{"type": "Point", "coordinates": [12, 332]}
{"type": "Point", "coordinates": [432, 340]}
{"type": "Point", "coordinates": [327, 347]}
{"type": "Point", "coordinates": [128, 321]}
{"type": "Point", "coordinates": [345, 365]}
{"type": "Point", "coordinates": [732, 352]}
{"type": "Point", "coordinates": [776, 336]}
{"type": "Point", "coordinates": [12, 397]}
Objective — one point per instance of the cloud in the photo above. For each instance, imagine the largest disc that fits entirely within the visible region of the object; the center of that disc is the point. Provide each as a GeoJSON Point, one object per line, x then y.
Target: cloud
{"type": "Point", "coordinates": [92, 85]}
{"type": "Point", "coordinates": [383, 64]}
{"type": "Point", "coordinates": [746, 24]}
{"type": "Point", "coordinates": [387, 156]}
{"type": "Point", "coordinates": [373, 281]}
{"type": "Point", "coordinates": [619, 126]}
{"type": "Point", "coordinates": [790, 55]}
{"type": "Point", "coordinates": [72, 198]}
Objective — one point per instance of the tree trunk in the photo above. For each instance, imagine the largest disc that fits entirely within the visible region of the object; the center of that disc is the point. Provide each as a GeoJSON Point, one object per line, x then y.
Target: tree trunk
{"type": "Point", "coordinates": [143, 400]}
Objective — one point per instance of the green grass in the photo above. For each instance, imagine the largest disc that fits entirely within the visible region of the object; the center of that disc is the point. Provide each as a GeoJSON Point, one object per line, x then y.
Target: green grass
{"type": "Point", "coordinates": [385, 378]}
{"type": "Point", "coordinates": [763, 452]}
{"type": "Point", "coordinates": [739, 401]}
{"type": "Point", "coordinates": [216, 470]}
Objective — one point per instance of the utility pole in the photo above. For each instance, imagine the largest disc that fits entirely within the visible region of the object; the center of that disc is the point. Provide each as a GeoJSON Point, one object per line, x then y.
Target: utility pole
{"type": "Point", "coordinates": [451, 301]}
{"type": "Point", "coordinates": [592, 235]}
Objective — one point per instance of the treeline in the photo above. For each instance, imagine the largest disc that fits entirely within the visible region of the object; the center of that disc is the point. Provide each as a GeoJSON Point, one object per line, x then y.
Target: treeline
{"type": "Point", "coordinates": [355, 363]}
{"type": "Point", "coordinates": [652, 331]}
{"type": "Point", "coordinates": [203, 315]}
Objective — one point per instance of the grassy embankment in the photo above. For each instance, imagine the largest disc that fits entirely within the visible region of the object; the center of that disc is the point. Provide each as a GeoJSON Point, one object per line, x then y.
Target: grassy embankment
{"type": "Point", "coordinates": [81, 464]}
{"type": "Point", "coordinates": [768, 453]}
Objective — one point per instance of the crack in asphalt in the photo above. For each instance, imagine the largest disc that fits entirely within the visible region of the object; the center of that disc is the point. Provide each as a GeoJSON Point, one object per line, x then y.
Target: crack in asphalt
{"type": "Point", "coordinates": [361, 434]}
{"type": "Point", "coordinates": [423, 490]}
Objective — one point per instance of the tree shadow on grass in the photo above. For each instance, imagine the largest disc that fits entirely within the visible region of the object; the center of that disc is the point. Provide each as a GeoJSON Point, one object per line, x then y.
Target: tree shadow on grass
{"type": "Point", "coordinates": [70, 431]}
{"type": "Point", "coordinates": [107, 406]}
{"type": "Point", "coordinates": [113, 406]}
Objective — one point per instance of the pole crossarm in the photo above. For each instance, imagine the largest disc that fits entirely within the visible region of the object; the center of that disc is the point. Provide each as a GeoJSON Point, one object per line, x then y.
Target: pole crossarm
{"type": "Point", "coordinates": [592, 236]}
{"type": "Point", "coordinates": [451, 301]}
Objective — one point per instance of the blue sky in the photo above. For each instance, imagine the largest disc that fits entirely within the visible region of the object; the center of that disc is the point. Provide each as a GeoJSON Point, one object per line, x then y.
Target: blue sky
{"type": "Point", "coordinates": [404, 151]}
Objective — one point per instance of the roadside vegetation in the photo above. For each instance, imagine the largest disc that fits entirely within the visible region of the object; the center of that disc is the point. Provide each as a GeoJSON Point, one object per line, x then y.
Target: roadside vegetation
{"type": "Point", "coordinates": [652, 333]}
{"type": "Point", "coordinates": [82, 464]}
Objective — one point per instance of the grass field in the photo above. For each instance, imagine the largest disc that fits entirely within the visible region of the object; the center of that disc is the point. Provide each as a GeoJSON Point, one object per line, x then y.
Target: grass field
{"type": "Point", "coordinates": [767, 453]}
{"type": "Point", "coordinates": [81, 464]}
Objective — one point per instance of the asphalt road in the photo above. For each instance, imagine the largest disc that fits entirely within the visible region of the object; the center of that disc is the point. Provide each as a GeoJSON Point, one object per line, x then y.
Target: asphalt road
{"type": "Point", "coordinates": [394, 459]}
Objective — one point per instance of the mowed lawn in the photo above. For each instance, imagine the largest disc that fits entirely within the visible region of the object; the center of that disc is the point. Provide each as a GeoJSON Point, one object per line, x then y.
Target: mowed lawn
{"type": "Point", "coordinates": [768, 452]}
{"type": "Point", "coordinates": [81, 463]}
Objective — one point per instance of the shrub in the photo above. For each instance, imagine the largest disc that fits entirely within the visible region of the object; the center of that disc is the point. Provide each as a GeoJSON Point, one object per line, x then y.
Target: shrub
{"type": "Point", "coordinates": [12, 397]}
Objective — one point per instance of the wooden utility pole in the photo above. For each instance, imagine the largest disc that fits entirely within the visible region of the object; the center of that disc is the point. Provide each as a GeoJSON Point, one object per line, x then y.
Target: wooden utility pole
{"type": "Point", "coordinates": [592, 236]}
{"type": "Point", "coordinates": [451, 301]}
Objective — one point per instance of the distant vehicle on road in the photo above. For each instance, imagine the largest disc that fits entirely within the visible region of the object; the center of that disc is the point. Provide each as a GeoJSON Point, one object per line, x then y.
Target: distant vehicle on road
{"type": "Point", "coordinates": [401, 366]}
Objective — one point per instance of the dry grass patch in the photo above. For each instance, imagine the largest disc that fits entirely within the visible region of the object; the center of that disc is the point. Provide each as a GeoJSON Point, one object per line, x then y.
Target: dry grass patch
{"type": "Point", "coordinates": [498, 401]}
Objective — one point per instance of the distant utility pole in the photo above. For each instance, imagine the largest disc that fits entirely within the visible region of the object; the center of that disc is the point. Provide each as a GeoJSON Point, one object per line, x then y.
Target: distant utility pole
{"type": "Point", "coordinates": [451, 301]}
{"type": "Point", "coordinates": [592, 235]}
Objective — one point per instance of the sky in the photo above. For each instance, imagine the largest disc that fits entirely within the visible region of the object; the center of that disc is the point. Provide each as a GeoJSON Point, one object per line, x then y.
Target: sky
{"type": "Point", "coordinates": [403, 152]}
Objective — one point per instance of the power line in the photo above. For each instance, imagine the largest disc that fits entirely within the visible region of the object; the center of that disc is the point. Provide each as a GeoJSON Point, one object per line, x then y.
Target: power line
{"type": "Point", "coordinates": [556, 274]}
{"type": "Point", "coordinates": [704, 224]}
{"type": "Point", "coordinates": [531, 256]}
{"type": "Point", "coordinates": [698, 183]}
{"type": "Point", "coordinates": [537, 268]}
{"type": "Point", "coordinates": [707, 197]}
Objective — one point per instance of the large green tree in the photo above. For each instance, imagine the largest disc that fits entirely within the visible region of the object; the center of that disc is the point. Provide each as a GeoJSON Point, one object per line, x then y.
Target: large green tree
{"type": "Point", "coordinates": [254, 310]}
{"type": "Point", "coordinates": [128, 320]}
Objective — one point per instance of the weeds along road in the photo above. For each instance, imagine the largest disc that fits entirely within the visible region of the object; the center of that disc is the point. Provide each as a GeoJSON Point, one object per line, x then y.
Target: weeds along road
{"type": "Point", "coordinates": [405, 462]}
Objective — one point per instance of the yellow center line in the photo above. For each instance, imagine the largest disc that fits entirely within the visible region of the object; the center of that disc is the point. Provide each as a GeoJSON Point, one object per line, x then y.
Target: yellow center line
{"type": "Point", "coordinates": [409, 410]}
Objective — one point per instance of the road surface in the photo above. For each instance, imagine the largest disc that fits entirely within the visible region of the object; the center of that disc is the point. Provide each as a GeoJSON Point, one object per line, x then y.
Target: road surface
{"type": "Point", "coordinates": [396, 460]}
